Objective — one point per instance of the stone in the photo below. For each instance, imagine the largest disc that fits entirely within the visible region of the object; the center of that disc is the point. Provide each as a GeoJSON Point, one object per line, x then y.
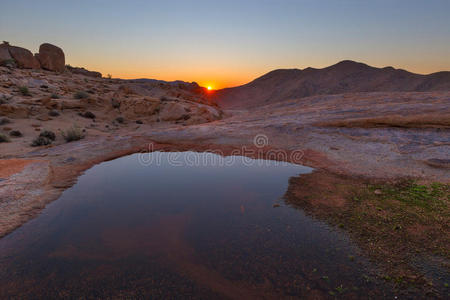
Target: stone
{"type": "Point", "coordinates": [51, 58]}
{"type": "Point", "coordinates": [5, 57]}
{"type": "Point", "coordinates": [83, 71]}
{"type": "Point", "coordinates": [24, 58]}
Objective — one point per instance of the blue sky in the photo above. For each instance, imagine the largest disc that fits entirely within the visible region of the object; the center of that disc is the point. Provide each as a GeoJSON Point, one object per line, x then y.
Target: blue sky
{"type": "Point", "coordinates": [226, 43]}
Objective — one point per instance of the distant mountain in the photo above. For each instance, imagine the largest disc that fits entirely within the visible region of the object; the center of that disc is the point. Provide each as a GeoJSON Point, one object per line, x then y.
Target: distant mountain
{"type": "Point", "coordinates": [344, 77]}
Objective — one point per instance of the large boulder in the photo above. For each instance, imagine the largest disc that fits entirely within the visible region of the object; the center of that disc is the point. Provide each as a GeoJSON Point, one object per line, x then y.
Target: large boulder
{"type": "Point", "coordinates": [51, 58]}
{"type": "Point", "coordinates": [23, 57]}
{"type": "Point", "coordinates": [4, 54]}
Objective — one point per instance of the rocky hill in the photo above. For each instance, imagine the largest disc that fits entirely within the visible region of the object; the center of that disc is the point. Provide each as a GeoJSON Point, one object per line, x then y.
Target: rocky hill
{"type": "Point", "coordinates": [39, 93]}
{"type": "Point", "coordinates": [343, 77]}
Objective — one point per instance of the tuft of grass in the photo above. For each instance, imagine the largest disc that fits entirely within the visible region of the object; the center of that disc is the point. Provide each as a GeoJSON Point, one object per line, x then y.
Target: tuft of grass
{"type": "Point", "coordinates": [88, 115]}
{"type": "Point", "coordinates": [41, 141]}
{"type": "Point", "coordinates": [3, 138]}
{"type": "Point", "coordinates": [48, 134]}
{"type": "Point", "coordinates": [53, 113]}
{"type": "Point", "coordinates": [16, 133]}
{"type": "Point", "coordinates": [73, 134]}
{"type": "Point", "coordinates": [4, 121]}
{"type": "Point", "coordinates": [81, 95]}
{"type": "Point", "coordinates": [24, 91]}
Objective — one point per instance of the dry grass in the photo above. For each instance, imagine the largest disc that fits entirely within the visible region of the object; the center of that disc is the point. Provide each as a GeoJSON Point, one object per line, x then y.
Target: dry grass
{"type": "Point", "coordinates": [415, 121]}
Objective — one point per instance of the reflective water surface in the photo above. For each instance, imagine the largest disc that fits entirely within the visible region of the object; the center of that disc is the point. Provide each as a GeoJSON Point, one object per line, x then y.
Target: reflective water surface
{"type": "Point", "coordinates": [174, 230]}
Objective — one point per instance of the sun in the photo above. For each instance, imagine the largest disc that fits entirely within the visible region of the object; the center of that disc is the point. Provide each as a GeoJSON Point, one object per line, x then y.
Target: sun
{"type": "Point", "coordinates": [209, 87]}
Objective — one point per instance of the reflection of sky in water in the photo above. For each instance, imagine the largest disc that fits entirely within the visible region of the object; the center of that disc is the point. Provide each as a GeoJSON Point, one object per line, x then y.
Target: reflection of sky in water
{"type": "Point", "coordinates": [209, 229]}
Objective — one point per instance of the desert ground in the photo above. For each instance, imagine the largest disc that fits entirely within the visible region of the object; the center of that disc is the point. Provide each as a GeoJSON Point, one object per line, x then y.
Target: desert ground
{"type": "Point", "coordinates": [376, 147]}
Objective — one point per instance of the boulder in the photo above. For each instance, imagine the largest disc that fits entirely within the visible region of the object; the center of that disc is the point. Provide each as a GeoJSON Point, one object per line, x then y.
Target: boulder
{"type": "Point", "coordinates": [5, 57]}
{"type": "Point", "coordinates": [51, 58]}
{"type": "Point", "coordinates": [23, 57]}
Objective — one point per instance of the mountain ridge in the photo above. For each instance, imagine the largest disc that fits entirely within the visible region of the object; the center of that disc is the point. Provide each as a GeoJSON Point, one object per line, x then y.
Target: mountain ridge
{"type": "Point", "coordinates": [343, 77]}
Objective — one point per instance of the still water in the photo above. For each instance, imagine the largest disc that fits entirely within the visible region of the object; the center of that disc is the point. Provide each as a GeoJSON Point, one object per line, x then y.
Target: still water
{"type": "Point", "coordinates": [180, 225]}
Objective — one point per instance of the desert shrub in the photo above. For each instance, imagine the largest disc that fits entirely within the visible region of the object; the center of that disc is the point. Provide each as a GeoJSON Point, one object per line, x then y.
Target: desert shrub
{"type": "Point", "coordinates": [88, 115]}
{"type": "Point", "coordinates": [109, 76]}
{"type": "Point", "coordinates": [3, 138]}
{"type": "Point", "coordinates": [115, 103]}
{"type": "Point", "coordinates": [41, 141]}
{"type": "Point", "coordinates": [4, 121]}
{"type": "Point", "coordinates": [48, 134]}
{"type": "Point", "coordinates": [9, 63]}
{"type": "Point", "coordinates": [15, 133]}
{"type": "Point", "coordinates": [81, 95]}
{"type": "Point", "coordinates": [72, 134]}
{"type": "Point", "coordinates": [53, 113]}
{"type": "Point", "coordinates": [55, 96]}
{"type": "Point", "coordinates": [24, 91]}
{"type": "Point", "coordinates": [139, 122]}
{"type": "Point", "coordinates": [120, 120]}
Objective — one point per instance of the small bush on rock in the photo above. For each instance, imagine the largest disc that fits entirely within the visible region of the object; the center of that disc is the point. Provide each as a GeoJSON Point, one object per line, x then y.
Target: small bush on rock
{"type": "Point", "coordinates": [3, 138]}
{"type": "Point", "coordinates": [4, 121]}
{"type": "Point", "coordinates": [55, 96]}
{"type": "Point", "coordinates": [88, 115]}
{"type": "Point", "coordinates": [72, 134]}
{"type": "Point", "coordinates": [41, 141]}
{"type": "Point", "coordinates": [120, 120]}
{"type": "Point", "coordinates": [15, 133]}
{"type": "Point", "coordinates": [48, 134]}
{"type": "Point", "coordinates": [53, 113]}
{"type": "Point", "coordinates": [24, 91]}
{"type": "Point", "coordinates": [81, 95]}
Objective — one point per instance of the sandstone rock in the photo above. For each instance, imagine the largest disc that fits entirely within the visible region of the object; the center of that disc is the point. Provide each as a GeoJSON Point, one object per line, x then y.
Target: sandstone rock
{"type": "Point", "coordinates": [173, 111]}
{"type": "Point", "coordinates": [14, 111]}
{"type": "Point", "coordinates": [4, 54]}
{"type": "Point", "coordinates": [83, 71]}
{"type": "Point", "coordinates": [24, 58]}
{"type": "Point", "coordinates": [135, 108]}
{"type": "Point", "coordinates": [51, 58]}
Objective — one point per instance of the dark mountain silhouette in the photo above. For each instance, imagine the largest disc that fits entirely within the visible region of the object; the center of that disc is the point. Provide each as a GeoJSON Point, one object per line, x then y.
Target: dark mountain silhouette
{"type": "Point", "coordinates": [344, 77]}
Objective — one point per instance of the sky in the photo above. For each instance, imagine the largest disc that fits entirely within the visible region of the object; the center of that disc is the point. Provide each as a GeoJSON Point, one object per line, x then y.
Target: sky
{"type": "Point", "coordinates": [229, 43]}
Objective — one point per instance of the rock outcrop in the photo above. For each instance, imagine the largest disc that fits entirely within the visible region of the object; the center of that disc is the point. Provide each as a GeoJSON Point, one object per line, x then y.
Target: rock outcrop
{"type": "Point", "coordinates": [23, 57]}
{"type": "Point", "coordinates": [83, 71]}
{"type": "Point", "coordinates": [51, 58]}
{"type": "Point", "coordinates": [4, 54]}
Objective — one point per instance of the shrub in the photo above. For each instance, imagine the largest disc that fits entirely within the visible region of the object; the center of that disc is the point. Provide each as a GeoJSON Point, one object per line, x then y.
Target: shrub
{"type": "Point", "coordinates": [88, 115]}
{"type": "Point", "coordinates": [24, 91]}
{"type": "Point", "coordinates": [115, 103]}
{"type": "Point", "coordinates": [48, 134]}
{"type": "Point", "coordinates": [3, 138]}
{"type": "Point", "coordinates": [55, 96]}
{"type": "Point", "coordinates": [9, 63]}
{"type": "Point", "coordinates": [4, 121]}
{"type": "Point", "coordinates": [15, 133]}
{"type": "Point", "coordinates": [81, 95]}
{"type": "Point", "coordinates": [109, 76]}
{"type": "Point", "coordinates": [53, 113]}
{"type": "Point", "coordinates": [41, 141]}
{"type": "Point", "coordinates": [72, 134]}
{"type": "Point", "coordinates": [120, 120]}
{"type": "Point", "coordinates": [139, 122]}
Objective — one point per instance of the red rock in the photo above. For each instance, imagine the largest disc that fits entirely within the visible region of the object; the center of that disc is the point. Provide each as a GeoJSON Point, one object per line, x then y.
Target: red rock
{"type": "Point", "coordinates": [23, 57]}
{"type": "Point", "coordinates": [4, 53]}
{"type": "Point", "coordinates": [51, 58]}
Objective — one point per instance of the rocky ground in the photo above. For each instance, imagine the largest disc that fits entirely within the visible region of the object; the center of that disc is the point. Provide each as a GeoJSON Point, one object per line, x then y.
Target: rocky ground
{"type": "Point", "coordinates": [364, 136]}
